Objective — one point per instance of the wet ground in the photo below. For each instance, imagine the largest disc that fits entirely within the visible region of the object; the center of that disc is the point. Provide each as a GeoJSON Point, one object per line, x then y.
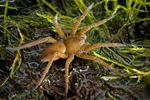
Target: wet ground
{"type": "Point", "coordinates": [84, 83]}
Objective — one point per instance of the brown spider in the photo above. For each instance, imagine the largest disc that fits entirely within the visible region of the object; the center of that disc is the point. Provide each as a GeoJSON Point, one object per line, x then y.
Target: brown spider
{"type": "Point", "coordinates": [74, 45]}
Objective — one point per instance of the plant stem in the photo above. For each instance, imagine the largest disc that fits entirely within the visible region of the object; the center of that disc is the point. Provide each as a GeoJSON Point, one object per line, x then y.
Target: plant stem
{"type": "Point", "coordinates": [4, 23]}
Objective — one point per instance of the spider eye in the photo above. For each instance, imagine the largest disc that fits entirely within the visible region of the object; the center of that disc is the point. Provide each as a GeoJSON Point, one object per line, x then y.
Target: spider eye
{"type": "Point", "coordinates": [83, 37]}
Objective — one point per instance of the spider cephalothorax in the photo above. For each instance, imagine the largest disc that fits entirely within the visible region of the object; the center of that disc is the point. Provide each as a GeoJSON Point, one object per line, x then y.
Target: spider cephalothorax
{"type": "Point", "coordinates": [71, 46]}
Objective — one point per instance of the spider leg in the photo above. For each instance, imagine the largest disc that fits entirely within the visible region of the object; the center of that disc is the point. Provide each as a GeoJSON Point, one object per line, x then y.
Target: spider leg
{"type": "Point", "coordinates": [94, 46]}
{"type": "Point", "coordinates": [84, 30]}
{"type": "Point", "coordinates": [50, 39]}
{"type": "Point", "coordinates": [82, 49]}
{"type": "Point", "coordinates": [77, 23]}
{"type": "Point", "coordinates": [51, 59]}
{"type": "Point", "coordinates": [89, 57]}
{"type": "Point", "coordinates": [58, 29]}
{"type": "Point", "coordinates": [46, 69]}
{"type": "Point", "coordinates": [69, 60]}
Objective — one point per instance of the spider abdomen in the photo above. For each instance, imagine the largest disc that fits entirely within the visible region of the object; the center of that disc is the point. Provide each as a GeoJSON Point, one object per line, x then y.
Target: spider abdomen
{"type": "Point", "coordinates": [53, 48]}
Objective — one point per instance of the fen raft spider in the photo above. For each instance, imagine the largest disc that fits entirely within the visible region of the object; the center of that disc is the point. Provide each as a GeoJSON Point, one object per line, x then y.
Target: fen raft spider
{"type": "Point", "coordinates": [71, 46]}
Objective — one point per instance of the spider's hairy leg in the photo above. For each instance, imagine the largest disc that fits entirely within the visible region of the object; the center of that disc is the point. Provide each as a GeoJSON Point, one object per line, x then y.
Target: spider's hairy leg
{"type": "Point", "coordinates": [89, 57]}
{"type": "Point", "coordinates": [82, 49]}
{"type": "Point", "coordinates": [51, 59]}
{"type": "Point", "coordinates": [97, 45]}
{"type": "Point", "coordinates": [69, 60]}
{"type": "Point", "coordinates": [58, 29]}
{"type": "Point", "coordinates": [84, 30]}
{"type": "Point", "coordinates": [46, 69]}
{"type": "Point", "coordinates": [77, 23]}
{"type": "Point", "coordinates": [50, 39]}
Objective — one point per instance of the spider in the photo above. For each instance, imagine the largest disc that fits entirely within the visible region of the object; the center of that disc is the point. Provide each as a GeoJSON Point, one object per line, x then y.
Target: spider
{"type": "Point", "coordinates": [71, 46]}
